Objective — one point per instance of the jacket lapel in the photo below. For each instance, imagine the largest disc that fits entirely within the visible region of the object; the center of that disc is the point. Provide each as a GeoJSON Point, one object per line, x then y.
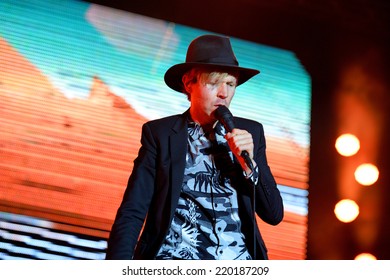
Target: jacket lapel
{"type": "Point", "coordinates": [178, 151]}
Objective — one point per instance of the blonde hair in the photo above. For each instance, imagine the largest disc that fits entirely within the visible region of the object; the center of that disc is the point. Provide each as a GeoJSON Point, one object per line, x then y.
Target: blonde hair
{"type": "Point", "coordinates": [202, 75]}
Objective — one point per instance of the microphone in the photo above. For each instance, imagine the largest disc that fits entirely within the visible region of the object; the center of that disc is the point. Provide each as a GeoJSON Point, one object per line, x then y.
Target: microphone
{"type": "Point", "coordinates": [223, 115]}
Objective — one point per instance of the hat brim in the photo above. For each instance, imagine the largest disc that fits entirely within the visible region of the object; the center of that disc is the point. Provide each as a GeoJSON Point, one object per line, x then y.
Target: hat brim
{"type": "Point", "coordinates": [173, 76]}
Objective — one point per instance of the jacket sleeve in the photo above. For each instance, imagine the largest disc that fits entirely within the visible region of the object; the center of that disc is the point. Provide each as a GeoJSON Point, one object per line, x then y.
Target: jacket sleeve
{"type": "Point", "coordinates": [135, 203]}
{"type": "Point", "coordinates": [269, 203]}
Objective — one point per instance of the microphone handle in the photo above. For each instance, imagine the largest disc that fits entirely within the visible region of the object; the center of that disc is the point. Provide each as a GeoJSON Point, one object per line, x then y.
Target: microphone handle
{"type": "Point", "coordinates": [247, 159]}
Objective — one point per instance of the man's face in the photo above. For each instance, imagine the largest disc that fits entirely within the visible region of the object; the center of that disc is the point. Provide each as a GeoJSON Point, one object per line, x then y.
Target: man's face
{"type": "Point", "coordinates": [209, 92]}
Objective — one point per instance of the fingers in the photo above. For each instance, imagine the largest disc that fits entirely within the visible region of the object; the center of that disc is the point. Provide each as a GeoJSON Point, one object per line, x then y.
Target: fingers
{"type": "Point", "coordinates": [240, 140]}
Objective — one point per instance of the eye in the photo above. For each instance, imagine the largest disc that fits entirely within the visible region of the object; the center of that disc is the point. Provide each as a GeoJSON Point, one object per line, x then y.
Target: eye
{"type": "Point", "coordinates": [212, 84]}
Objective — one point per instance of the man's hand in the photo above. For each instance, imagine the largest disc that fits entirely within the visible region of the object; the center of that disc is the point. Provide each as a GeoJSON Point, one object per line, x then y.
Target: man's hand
{"type": "Point", "coordinates": [241, 140]}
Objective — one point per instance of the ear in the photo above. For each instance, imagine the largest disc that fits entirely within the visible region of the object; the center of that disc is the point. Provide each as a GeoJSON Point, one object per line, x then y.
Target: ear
{"type": "Point", "coordinates": [187, 84]}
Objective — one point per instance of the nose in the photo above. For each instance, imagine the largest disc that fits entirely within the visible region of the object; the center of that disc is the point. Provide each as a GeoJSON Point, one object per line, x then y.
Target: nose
{"type": "Point", "coordinates": [223, 90]}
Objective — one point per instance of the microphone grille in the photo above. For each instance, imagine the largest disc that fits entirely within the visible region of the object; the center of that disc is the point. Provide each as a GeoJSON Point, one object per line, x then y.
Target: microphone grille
{"type": "Point", "coordinates": [223, 115]}
{"type": "Point", "coordinates": [222, 112]}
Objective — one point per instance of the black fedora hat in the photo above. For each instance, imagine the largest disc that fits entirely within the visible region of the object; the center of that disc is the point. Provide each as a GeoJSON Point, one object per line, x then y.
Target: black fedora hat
{"type": "Point", "coordinates": [212, 51]}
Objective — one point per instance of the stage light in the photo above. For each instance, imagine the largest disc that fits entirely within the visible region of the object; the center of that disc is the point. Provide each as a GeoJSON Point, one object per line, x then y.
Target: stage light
{"type": "Point", "coordinates": [366, 174]}
{"type": "Point", "coordinates": [346, 210]}
{"type": "Point", "coordinates": [365, 256]}
{"type": "Point", "coordinates": [347, 145]}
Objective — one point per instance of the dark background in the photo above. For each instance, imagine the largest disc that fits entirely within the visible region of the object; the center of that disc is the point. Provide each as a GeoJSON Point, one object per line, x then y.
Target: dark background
{"type": "Point", "coordinates": [328, 37]}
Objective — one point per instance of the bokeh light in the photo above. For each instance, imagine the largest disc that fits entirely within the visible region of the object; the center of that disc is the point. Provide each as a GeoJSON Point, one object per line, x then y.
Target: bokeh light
{"type": "Point", "coordinates": [347, 144]}
{"type": "Point", "coordinates": [346, 210]}
{"type": "Point", "coordinates": [365, 256]}
{"type": "Point", "coordinates": [366, 174]}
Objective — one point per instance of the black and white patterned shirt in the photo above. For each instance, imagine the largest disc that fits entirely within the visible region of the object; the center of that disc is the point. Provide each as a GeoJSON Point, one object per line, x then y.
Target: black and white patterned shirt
{"type": "Point", "coordinates": [206, 224]}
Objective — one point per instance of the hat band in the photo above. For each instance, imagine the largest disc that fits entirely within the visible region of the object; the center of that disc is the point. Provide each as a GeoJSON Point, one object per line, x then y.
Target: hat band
{"type": "Point", "coordinates": [219, 61]}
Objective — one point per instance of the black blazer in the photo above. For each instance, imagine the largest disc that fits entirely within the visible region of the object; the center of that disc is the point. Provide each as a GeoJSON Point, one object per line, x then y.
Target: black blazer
{"type": "Point", "coordinates": [155, 184]}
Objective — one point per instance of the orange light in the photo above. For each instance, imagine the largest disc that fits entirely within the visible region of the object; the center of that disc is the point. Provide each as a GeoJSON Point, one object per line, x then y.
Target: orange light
{"type": "Point", "coordinates": [365, 256]}
{"type": "Point", "coordinates": [366, 174]}
{"type": "Point", "coordinates": [346, 210]}
{"type": "Point", "coordinates": [347, 145]}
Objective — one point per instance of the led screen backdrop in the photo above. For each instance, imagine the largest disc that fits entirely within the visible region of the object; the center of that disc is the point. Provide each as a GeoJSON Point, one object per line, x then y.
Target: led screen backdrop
{"type": "Point", "coordinates": [77, 81]}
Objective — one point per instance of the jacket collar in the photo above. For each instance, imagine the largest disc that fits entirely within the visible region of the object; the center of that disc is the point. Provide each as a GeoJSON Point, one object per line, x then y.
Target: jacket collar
{"type": "Point", "coordinates": [181, 122]}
